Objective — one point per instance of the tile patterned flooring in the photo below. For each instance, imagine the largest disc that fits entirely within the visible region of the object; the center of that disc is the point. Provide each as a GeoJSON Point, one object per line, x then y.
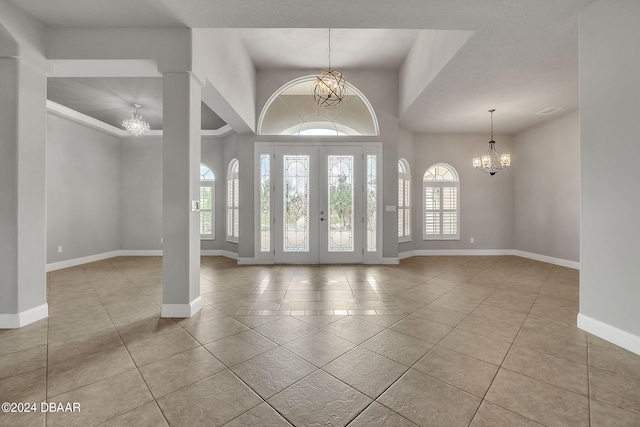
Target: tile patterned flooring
{"type": "Point", "coordinates": [435, 341]}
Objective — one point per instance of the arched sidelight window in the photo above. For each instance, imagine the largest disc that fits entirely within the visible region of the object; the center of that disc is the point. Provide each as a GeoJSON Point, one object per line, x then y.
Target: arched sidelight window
{"type": "Point", "coordinates": [441, 190]}
{"type": "Point", "coordinates": [207, 203]}
{"type": "Point", "coordinates": [291, 110]}
{"type": "Point", "coordinates": [233, 201]}
{"type": "Point", "coordinates": [404, 201]}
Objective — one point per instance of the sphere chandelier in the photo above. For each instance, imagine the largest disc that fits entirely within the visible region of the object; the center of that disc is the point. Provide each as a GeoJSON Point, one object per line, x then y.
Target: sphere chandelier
{"type": "Point", "coordinates": [330, 87]}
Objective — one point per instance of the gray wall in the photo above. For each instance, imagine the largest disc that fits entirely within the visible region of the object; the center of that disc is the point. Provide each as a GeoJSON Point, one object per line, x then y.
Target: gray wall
{"type": "Point", "coordinates": [141, 193]}
{"type": "Point", "coordinates": [486, 202]}
{"type": "Point", "coordinates": [212, 154]}
{"type": "Point", "coordinates": [228, 151]}
{"type": "Point", "coordinates": [406, 144]}
{"type": "Point", "coordinates": [547, 188]}
{"type": "Point", "coordinates": [83, 190]}
{"type": "Point", "coordinates": [609, 153]}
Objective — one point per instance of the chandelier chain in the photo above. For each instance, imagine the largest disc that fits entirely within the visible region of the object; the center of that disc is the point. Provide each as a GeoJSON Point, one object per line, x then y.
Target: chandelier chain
{"type": "Point", "coordinates": [330, 87]}
{"type": "Point", "coordinates": [329, 48]}
{"type": "Point", "coordinates": [492, 162]}
{"type": "Point", "coordinates": [491, 111]}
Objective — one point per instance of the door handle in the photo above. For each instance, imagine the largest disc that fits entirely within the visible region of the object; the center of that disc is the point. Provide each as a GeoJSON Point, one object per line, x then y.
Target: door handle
{"type": "Point", "coordinates": [321, 219]}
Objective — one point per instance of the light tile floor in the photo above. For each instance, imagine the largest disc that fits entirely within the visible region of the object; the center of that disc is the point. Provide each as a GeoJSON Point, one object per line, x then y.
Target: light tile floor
{"type": "Point", "coordinates": [436, 341]}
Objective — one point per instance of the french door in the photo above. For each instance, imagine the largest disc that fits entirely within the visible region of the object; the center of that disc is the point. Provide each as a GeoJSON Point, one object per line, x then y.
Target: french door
{"type": "Point", "coordinates": [318, 204]}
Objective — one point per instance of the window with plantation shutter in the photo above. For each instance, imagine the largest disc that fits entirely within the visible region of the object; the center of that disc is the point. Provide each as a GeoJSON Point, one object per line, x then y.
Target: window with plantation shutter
{"type": "Point", "coordinates": [404, 201]}
{"type": "Point", "coordinates": [441, 191]}
{"type": "Point", "coordinates": [207, 203]}
{"type": "Point", "coordinates": [233, 201]}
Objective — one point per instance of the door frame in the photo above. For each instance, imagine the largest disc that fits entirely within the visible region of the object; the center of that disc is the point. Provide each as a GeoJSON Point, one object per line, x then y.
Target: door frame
{"type": "Point", "coordinates": [370, 256]}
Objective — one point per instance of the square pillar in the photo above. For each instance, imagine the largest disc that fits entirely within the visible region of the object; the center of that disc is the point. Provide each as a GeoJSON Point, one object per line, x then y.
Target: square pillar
{"type": "Point", "coordinates": [180, 186]}
{"type": "Point", "coordinates": [23, 120]}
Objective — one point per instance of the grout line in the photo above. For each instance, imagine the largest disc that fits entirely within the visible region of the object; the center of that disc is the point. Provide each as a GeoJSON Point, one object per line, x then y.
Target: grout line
{"type": "Point", "coordinates": [450, 267]}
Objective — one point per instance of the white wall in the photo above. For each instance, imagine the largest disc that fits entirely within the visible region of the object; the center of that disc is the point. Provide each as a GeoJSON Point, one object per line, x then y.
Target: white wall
{"type": "Point", "coordinates": [220, 56]}
{"type": "Point", "coordinates": [22, 193]}
{"type": "Point", "coordinates": [381, 90]}
{"type": "Point", "coordinates": [547, 188]}
{"type": "Point", "coordinates": [486, 202]}
{"type": "Point", "coordinates": [83, 190]}
{"type": "Point", "coordinates": [609, 153]}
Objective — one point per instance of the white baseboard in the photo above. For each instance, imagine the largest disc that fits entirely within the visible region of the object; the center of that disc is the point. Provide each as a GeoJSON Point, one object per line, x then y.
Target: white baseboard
{"type": "Point", "coordinates": [610, 333]}
{"type": "Point", "coordinates": [388, 260]}
{"type": "Point", "coordinates": [219, 252]}
{"type": "Point", "coordinates": [405, 255]}
{"type": "Point", "coordinates": [79, 261]}
{"type": "Point", "coordinates": [182, 310]}
{"type": "Point", "coordinates": [126, 252]}
{"type": "Point", "coordinates": [551, 260]}
{"type": "Point", "coordinates": [141, 252]}
{"type": "Point", "coordinates": [461, 252]}
{"type": "Point", "coordinates": [18, 320]}
{"type": "Point", "coordinates": [490, 252]}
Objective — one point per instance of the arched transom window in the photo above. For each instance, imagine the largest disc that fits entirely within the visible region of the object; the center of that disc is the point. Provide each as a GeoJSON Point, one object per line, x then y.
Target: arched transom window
{"type": "Point", "coordinates": [291, 110]}
{"type": "Point", "coordinates": [441, 190]}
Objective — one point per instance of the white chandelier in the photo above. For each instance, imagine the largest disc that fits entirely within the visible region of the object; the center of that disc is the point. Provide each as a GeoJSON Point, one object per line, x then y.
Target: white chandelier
{"type": "Point", "coordinates": [492, 162]}
{"type": "Point", "coordinates": [330, 87]}
{"type": "Point", "coordinates": [135, 124]}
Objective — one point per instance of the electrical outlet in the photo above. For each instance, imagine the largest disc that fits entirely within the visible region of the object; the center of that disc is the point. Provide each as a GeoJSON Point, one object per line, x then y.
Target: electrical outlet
{"type": "Point", "coordinates": [472, 240]}
{"type": "Point", "coordinates": [59, 249]}
{"type": "Point", "coordinates": [161, 240]}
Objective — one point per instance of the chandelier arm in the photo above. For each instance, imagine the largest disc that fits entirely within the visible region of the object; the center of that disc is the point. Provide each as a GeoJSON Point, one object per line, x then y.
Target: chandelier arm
{"type": "Point", "coordinates": [493, 161]}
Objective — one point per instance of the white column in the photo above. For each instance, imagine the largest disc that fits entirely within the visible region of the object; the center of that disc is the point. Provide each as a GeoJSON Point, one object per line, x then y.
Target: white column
{"type": "Point", "coordinates": [22, 193]}
{"type": "Point", "coordinates": [181, 186]}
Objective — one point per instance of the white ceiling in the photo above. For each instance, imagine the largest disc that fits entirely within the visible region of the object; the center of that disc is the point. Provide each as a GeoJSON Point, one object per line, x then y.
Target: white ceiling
{"type": "Point", "coordinates": [274, 48]}
{"type": "Point", "coordinates": [522, 57]}
{"type": "Point", "coordinates": [111, 100]}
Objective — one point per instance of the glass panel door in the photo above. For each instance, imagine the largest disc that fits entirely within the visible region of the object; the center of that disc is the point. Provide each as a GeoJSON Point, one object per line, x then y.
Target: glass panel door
{"type": "Point", "coordinates": [319, 215]}
{"type": "Point", "coordinates": [296, 205]}
{"type": "Point", "coordinates": [341, 213]}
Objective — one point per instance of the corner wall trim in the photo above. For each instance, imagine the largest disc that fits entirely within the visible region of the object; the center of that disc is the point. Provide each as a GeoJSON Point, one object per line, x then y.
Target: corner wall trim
{"type": "Point", "coordinates": [18, 320]}
{"type": "Point", "coordinates": [182, 310]}
{"type": "Point", "coordinates": [610, 333]}
{"type": "Point", "coordinates": [390, 260]}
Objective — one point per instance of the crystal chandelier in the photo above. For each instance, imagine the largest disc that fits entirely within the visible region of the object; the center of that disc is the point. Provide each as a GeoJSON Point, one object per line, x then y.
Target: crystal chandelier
{"type": "Point", "coordinates": [330, 87]}
{"type": "Point", "coordinates": [492, 162]}
{"type": "Point", "coordinates": [135, 124]}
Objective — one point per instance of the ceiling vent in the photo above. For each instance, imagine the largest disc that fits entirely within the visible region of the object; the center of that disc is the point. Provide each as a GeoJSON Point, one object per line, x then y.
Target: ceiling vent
{"type": "Point", "coordinates": [548, 110]}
